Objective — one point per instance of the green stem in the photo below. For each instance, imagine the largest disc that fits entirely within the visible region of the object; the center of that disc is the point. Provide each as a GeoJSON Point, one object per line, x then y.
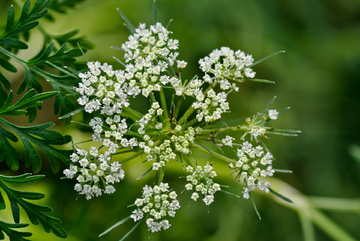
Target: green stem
{"type": "Point", "coordinates": [154, 100]}
{"type": "Point", "coordinates": [226, 123]}
{"type": "Point", "coordinates": [127, 115]}
{"type": "Point", "coordinates": [152, 97]}
{"type": "Point", "coordinates": [129, 158]}
{"type": "Point", "coordinates": [11, 55]}
{"type": "Point", "coordinates": [164, 107]}
{"type": "Point", "coordinates": [217, 155]}
{"type": "Point", "coordinates": [160, 175]}
{"type": "Point", "coordinates": [136, 115]}
{"type": "Point", "coordinates": [126, 151]}
{"type": "Point", "coordinates": [303, 206]}
{"type": "Point", "coordinates": [336, 204]}
{"type": "Point", "coordinates": [133, 133]}
{"type": "Point", "coordinates": [330, 227]}
{"type": "Point", "coordinates": [190, 123]}
{"type": "Point", "coordinates": [178, 105]}
{"type": "Point", "coordinates": [307, 227]}
{"type": "Point", "coordinates": [191, 109]}
{"type": "Point", "coordinates": [186, 115]}
{"type": "Point", "coordinates": [156, 133]}
{"type": "Point", "coordinates": [218, 130]}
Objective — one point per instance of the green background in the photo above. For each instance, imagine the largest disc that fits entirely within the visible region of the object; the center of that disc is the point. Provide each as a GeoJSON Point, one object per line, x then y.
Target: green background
{"type": "Point", "coordinates": [318, 77]}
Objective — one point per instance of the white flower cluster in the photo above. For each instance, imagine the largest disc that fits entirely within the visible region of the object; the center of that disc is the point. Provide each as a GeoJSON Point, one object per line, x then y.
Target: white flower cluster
{"type": "Point", "coordinates": [149, 53]}
{"type": "Point", "coordinates": [156, 203]}
{"type": "Point", "coordinates": [256, 125]}
{"type": "Point", "coordinates": [167, 150]}
{"type": "Point", "coordinates": [182, 140]}
{"type": "Point", "coordinates": [273, 114]}
{"type": "Point", "coordinates": [210, 106]}
{"type": "Point", "coordinates": [150, 57]}
{"type": "Point", "coordinates": [111, 132]}
{"type": "Point", "coordinates": [94, 172]}
{"type": "Point", "coordinates": [225, 65]}
{"type": "Point", "coordinates": [256, 131]}
{"type": "Point", "coordinates": [252, 164]}
{"type": "Point", "coordinates": [150, 118]}
{"type": "Point", "coordinates": [201, 181]}
{"type": "Point", "coordinates": [104, 89]}
{"type": "Point", "coordinates": [227, 141]}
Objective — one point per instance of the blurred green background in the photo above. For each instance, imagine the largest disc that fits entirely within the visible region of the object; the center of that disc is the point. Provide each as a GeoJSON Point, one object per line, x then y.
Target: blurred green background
{"type": "Point", "coordinates": [318, 77]}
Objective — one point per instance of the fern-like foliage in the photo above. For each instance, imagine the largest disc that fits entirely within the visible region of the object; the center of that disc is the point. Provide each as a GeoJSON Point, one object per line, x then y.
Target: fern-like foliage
{"type": "Point", "coordinates": [14, 235]}
{"type": "Point", "coordinates": [52, 63]}
{"type": "Point", "coordinates": [61, 6]}
{"type": "Point", "coordinates": [49, 63]}
{"type": "Point", "coordinates": [9, 39]}
{"type": "Point", "coordinates": [36, 213]}
{"type": "Point", "coordinates": [26, 22]}
{"type": "Point", "coordinates": [55, 63]}
{"type": "Point", "coordinates": [40, 135]}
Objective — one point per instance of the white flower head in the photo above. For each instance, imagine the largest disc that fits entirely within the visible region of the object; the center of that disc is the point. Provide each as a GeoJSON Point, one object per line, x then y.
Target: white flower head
{"type": "Point", "coordinates": [181, 64]}
{"type": "Point", "coordinates": [201, 180]}
{"type": "Point", "coordinates": [228, 141]}
{"type": "Point", "coordinates": [90, 169]}
{"type": "Point", "coordinates": [158, 202]}
{"type": "Point", "coordinates": [273, 114]}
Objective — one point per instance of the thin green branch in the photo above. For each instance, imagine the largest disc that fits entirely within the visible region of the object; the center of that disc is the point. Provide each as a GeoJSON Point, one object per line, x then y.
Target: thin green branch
{"type": "Point", "coordinates": [190, 123]}
{"type": "Point", "coordinates": [219, 130]}
{"type": "Point", "coordinates": [129, 158]}
{"type": "Point", "coordinates": [307, 227]}
{"type": "Point", "coordinates": [329, 227]}
{"type": "Point", "coordinates": [267, 57]}
{"type": "Point", "coordinates": [336, 204]}
{"type": "Point", "coordinates": [178, 105]}
{"type": "Point", "coordinates": [186, 115]}
{"type": "Point", "coordinates": [217, 155]}
{"type": "Point", "coordinates": [11, 55]}
{"type": "Point", "coordinates": [303, 205]}
{"type": "Point", "coordinates": [164, 106]}
{"type": "Point", "coordinates": [132, 113]}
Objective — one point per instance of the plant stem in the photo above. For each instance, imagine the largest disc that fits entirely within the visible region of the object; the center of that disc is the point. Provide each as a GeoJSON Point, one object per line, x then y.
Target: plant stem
{"type": "Point", "coordinates": [186, 115]}
{"type": "Point", "coordinates": [164, 107]}
{"type": "Point", "coordinates": [160, 175]}
{"type": "Point", "coordinates": [154, 100]}
{"type": "Point", "coordinates": [178, 105]}
{"type": "Point", "coordinates": [218, 130]}
{"type": "Point", "coordinates": [217, 155]}
{"type": "Point", "coordinates": [190, 123]}
{"type": "Point", "coordinates": [11, 55]}
{"type": "Point", "coordinates": [307, 227]}
{"type": "Point", "coordinates": [330, 227]}
{"type": "Point", "coordinates": [303, 206]}
{"type": "Point", "coordinates": [129, 158]}
{"type": "Point", "coordinates": [336, 204]}
{"type": "Point", "coordinates": [133, 114]}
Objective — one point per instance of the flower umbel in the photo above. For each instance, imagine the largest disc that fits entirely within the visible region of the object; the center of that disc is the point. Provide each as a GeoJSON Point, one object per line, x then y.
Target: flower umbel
{"type": "Point", "coordinates": [95, 173]}
{"type": "Point", "coordinates": [169, 131]}
{"type": "Point", "coordinates": [200, 181]}
{"type": "Point", "coordinates": [156, 204]}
